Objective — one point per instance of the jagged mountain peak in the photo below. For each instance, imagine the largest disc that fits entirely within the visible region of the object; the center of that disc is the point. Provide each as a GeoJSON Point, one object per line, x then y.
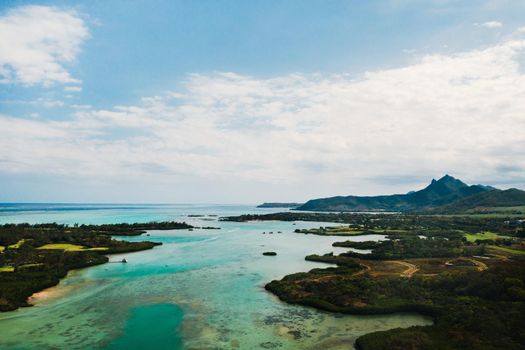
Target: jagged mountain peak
{"type": "Point", "coordinates": [447, 179]}
{"type": "Point", "coordinates": [446, 184]}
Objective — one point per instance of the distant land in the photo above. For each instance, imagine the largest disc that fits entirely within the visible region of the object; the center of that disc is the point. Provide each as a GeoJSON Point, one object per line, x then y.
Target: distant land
{"type": "Point", "coordinates": [446, 195]}
{"type": "Point", "coordinates": [279, 205]}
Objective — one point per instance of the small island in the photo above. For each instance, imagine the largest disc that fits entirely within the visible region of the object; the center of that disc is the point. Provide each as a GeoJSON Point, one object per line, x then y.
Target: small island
{"type": "Point", "coordinates": [279, 205]}
{"type": "Point", "coordinates": [35, 257]}
{"type": "Point", "coordinates": [269, 253]}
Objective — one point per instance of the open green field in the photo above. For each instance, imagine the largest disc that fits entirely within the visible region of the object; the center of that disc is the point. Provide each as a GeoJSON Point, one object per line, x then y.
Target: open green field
{"type": "Point", "coordinates": [17, 244]}
{"type": "Point", "coordinates": [7, 269]}
{"type": "Point", "coordinates": [508, 250]}
{"type": "Point", "coordinates": [32, 265]}
{"type": "Point", "coordinates": [70, 247]}
{"type": "Point", "coordinates": [483, 235]}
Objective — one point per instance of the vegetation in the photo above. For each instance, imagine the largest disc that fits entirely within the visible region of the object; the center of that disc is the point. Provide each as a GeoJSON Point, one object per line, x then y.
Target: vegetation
{"type": "Point", "coordinates": [17, 244]}
{"type": "Point", "coordinates": [508, 250]}
{"type": "Point", "coordinates": [345, 231]}
{"type": "Point", "coordinates": [483, 236]}
{"type": "Point", "coordinates": [359, 245]}
{"type": "Point", "coordinates": [411, 247]}
{"type": "Point", "coordinates": [70, 247]}
{"type": "Point", "coordinates": [330, 258]}
{"type": "Point", "coordinates": [511, 226]}
{"type": "Point", "coordinates": [35, 257]}
{"type": "Point", "coordinates": [135, 229]}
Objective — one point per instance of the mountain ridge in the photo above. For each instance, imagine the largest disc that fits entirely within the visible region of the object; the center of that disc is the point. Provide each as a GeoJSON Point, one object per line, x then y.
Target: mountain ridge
{"type": "Point", "coordinates": [438, 195]}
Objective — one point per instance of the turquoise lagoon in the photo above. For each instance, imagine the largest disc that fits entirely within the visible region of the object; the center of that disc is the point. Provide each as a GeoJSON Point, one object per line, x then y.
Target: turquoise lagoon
{"type": "Point", "coordinates": [202, 289]}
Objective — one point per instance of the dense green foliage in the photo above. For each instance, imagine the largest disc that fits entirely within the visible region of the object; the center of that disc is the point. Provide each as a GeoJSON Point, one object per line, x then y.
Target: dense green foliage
{"type": "Point", "coordinates": [359, 245]}
{"type": "Point", "coordinates": [88, 235]}
{"type": "Point", "coordinates": [330, 258]}
{"type": "Point", "coordinates": [412, 246]}
{"type": "Point", "coordinates": [472, 310]}
{"type": "Point", "coordinates": [509, 226]}
{"type": "Point", "coordinates": [135, 229]}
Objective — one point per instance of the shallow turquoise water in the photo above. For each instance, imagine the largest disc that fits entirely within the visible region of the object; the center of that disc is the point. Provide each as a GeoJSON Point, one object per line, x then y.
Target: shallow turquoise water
{"type": "Point", "coordinates": [151, 327]}
{"type": "Point", "coordinates": [201, 289]}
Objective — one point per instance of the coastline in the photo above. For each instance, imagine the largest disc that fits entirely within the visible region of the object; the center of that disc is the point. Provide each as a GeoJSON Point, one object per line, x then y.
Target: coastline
{"type": "Point", "coordinates": [55, 291]}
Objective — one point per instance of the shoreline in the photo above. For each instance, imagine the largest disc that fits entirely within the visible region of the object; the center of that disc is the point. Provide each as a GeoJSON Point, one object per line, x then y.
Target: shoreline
{"type": "Point", "coordinates": [51, 291]}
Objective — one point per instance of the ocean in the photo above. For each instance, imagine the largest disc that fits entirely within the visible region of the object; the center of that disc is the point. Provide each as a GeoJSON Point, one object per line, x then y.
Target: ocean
{"type": "Point", "coordinates": [202, 289]}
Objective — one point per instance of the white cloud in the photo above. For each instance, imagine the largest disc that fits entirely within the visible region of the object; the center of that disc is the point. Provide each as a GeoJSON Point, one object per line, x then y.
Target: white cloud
{"type": "Point", "coordinates": [47, 103]}
{"type": "Point", "coordinates": [76, 106]}
{"type": "Point", "coordinates": [39, 102]}
{"type": "Point", "coordinates": [492, 24]}
{"type": "Point", "coordinates": [36, 42]}
{"type": "Point", "coordinates": [459, 114]}
{"type": "Point", "coordinates": [73, 88]}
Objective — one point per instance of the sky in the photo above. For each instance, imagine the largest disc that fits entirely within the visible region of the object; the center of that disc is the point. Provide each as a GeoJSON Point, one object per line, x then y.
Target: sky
{"type": "Point", "coordinates": [165, 101]}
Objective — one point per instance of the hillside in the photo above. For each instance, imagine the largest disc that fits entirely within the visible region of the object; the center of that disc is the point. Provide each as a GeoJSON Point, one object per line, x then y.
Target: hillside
{"type": "Point", "coordinates": [438, 193]}
{"type": "Point", "coordinates": [484, 201]}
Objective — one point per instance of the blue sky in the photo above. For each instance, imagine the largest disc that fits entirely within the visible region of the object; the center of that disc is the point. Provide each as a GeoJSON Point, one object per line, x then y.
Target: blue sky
{"type": "Point", "coordinates": [244, 101]}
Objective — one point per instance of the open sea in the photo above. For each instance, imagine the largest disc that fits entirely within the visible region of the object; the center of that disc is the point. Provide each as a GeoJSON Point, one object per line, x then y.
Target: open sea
{"type": "Point", "coordinates": [202, 289]}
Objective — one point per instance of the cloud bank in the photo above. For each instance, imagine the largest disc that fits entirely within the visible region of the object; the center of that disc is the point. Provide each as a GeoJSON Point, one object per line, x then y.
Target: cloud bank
{"type": "Point", "coordinates": [461, 114]}
{"type": "Point", "coordinates": [36, 42]}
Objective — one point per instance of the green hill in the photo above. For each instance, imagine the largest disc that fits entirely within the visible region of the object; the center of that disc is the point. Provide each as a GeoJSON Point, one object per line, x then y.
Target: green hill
{"type": "Point", "coordinates": [486, 201]}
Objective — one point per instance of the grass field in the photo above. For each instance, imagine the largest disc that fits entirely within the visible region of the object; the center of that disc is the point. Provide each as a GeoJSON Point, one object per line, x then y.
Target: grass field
{"type": "Point", "coordinates": [17, 244]}
{"type": "Point", "coordinates": [508, 250]}
{"type": "Point", "coordinates": [483, 235]}
{"type": "Point", "coordinates": [70, 247]}
{"type": "Point", "coordinates": [7, 269]}
{"type": "Point", "coordinates": [31, 265]}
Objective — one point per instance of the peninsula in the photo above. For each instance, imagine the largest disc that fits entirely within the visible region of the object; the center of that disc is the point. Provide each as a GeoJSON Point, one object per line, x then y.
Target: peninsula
{"type": "Point", "coordinates": [35, 257]}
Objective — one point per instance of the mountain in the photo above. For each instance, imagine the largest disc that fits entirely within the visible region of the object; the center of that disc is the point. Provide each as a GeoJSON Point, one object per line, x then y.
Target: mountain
{"type": "Point", "coordinates": [438, 193]}
{"type": "Point", "coordinates": [279, 205]}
